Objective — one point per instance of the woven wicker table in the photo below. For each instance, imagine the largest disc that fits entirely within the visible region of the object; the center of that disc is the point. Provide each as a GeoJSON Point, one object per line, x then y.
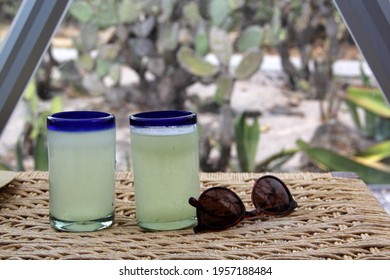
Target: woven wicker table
{"type": "Point", "coordinates": [337, 218]}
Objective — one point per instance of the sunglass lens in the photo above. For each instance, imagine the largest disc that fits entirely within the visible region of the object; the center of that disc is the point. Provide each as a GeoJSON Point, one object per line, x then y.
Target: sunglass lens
{"type": "Point", "coordinates": [271, 195]}
{"type": "Point", "coordinates": [219, 208]}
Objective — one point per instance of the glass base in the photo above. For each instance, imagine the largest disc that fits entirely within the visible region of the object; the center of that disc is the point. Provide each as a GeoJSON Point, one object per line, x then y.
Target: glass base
{"type": "Point", "coordinates": [167, 225]}
{"type": "Point", "coordinates": [82, 226]}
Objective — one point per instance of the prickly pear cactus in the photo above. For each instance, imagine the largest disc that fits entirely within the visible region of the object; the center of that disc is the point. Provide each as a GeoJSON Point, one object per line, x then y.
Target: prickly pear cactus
{"type": "Point", "coordinates": [249, 64]}
{"type": "Point", "coordinates": [195, 65]}
{"type": "Point", "coordinates": [172, 44]}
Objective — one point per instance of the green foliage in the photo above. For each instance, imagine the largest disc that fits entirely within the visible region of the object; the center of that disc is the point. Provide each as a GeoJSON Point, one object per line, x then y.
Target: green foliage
{"type": "Point", "coordinates": [249, 64]}
{"type": "Point", "coordinates": [106, 13]}
{"type": "Point", "coordinates": [191, 14]}
{"type": "Point", "coordinates": [219, 11]}
{"type": "Point", "coordinates": [201, 43]}
{"type": "Point", "coordinates": [82, 11]}
{"type": "Point", "coordinates": [19, 155]}
{"type": "Point", "coordinates": [276, 160]}
{"type": "Point", "coordinates": [35, 130]}
{"type": "Point", "coordinates": [224, 86]}
{"type": "Point", "coordinates": [103, 13]}
{"type": "Point", "coordinates": [363, 76]}
{"type": "Point", "coordinates": [172, 40]}
{"type": "Point", "coordinates": [377, 152]}
{"type": "Point", "coordinates": [175, 34]}
{"type": "Point", "coordinates": [251, 37]}
{"type": "Point", "coordinates": [40, 153]}
{"type": "Point", "coordinates": [129, 10]}
{"type": "Point", "coordinates": [247, 135]}
{"type": "Point", "coordinates": [375, 118]}
{"type": "Point", "coordinates": [309, 26]}
{"type": "Point", "coordinates": [8, 9]}
{"type": "Point", "coordinates": [220, 45]}
{"type": "Point", "coordinates": [168, 37]}
{"type": "Point", "coordinates": [373, 172]}
{"type": "Point", "coordinates": [89, 36]}
{"type": "Point", "coordinates": [195, 65]}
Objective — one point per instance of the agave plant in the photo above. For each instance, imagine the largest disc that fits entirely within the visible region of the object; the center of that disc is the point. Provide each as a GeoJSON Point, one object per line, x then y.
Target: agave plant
{"type": "Point", "coordinates": [375, 118]}
{"type": "Point", "coordinates": [247, 135]}
{"type": "Point", "coordinates": [369, 165]}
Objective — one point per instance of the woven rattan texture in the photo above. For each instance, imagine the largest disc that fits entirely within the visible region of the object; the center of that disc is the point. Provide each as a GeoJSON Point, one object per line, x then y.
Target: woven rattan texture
{"type": "Point", "coordinates": [336, 219]}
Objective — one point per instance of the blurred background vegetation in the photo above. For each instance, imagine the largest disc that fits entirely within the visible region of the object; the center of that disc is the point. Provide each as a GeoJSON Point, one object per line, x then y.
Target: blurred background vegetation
{"type": "Point", "coordinates": [169, 45]}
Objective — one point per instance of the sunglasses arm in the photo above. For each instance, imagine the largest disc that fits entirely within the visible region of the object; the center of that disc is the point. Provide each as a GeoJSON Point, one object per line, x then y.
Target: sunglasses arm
{"type": "Point", "coordinates": [193, 202]}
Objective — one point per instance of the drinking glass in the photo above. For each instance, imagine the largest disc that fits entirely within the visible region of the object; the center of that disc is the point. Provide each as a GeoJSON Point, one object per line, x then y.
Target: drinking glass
{"type": "Point", "coordinates": [81, 147]}
{"type": "Point", "coordinates": [165, 157]}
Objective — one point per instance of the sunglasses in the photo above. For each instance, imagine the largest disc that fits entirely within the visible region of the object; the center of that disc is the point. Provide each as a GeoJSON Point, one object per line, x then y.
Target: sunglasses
{"type": "Point", "coordinates": [219, 208]}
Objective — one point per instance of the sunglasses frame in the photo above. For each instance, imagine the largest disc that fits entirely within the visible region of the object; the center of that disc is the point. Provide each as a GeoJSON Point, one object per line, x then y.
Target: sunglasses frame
{"type": "Point", "coordinates": [201, 226]}
{"type": "Point", "coordinates": [292, 205]}
{"type": "Point", "coordinates": [258, 211]}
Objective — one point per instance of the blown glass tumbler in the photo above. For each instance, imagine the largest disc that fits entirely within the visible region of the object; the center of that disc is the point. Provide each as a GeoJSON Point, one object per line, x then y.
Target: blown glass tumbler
{"type": "Point", "coordinates": [164, 151]}
{"type": "Point", "coordinates": [81, 147]}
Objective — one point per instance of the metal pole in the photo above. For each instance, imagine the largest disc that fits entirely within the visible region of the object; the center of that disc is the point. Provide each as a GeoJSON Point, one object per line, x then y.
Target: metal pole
{"type": "Point", "coordinates": [369, 24]}
{"type": "Point", "coordinates": [23, 48]}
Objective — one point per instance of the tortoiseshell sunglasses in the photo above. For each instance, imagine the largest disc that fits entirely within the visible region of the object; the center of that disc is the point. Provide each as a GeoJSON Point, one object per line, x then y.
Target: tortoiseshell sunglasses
{"type": "Point", "coordinates": [219, 208]}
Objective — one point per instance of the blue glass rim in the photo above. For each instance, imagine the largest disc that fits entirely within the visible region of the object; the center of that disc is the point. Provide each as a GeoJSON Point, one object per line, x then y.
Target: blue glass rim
{"type": "Point", "coordinates": [78, 121]}
{"type": "Point", "coordinates": [163, 118]}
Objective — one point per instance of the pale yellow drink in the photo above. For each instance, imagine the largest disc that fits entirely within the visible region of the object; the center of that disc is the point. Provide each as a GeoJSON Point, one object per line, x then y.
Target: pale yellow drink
{"type": "Point", "coordinates": [166, 175]}
{"type": "Point", "coordinates": [82, 179]}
